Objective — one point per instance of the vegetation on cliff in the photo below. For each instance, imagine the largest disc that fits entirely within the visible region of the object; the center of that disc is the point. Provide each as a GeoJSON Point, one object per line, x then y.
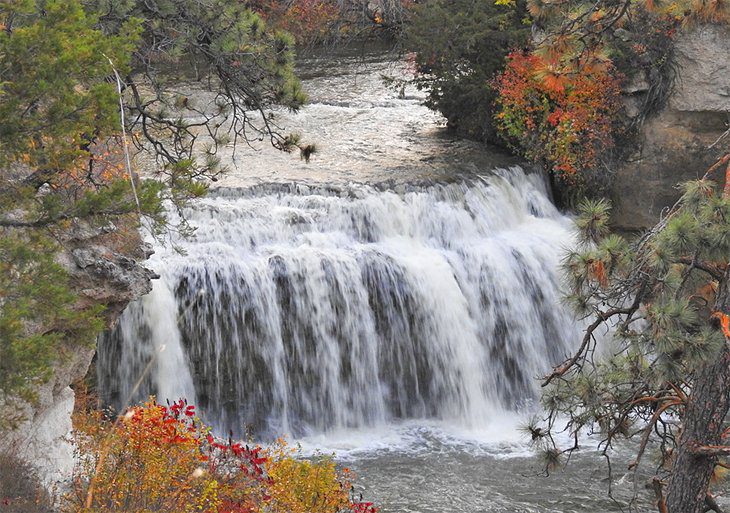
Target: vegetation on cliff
{"type": "Point", "coordinates": [563, 122]}
{"type": "Point", "coordinates": [55, 103]}
{"type": "Point", "coordinates": [35, 291]}
{"type": "Point", "coordinates": [65, 154]}
{"type": "Point", "coordinates": [458, 47]}
{"type": "Point", "coordinates": [546, 78]}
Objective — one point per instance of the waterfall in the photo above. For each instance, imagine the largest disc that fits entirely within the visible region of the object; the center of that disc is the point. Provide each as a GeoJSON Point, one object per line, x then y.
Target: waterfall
{"type": "Point", "coordinates": [302, 309]}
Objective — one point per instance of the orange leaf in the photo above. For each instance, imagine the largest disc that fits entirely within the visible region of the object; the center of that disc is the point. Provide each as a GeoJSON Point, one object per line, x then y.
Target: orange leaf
{"type": "Point", "coordinates": [598, 270]}
{"type": "Point", "coordinates": [724, 322]}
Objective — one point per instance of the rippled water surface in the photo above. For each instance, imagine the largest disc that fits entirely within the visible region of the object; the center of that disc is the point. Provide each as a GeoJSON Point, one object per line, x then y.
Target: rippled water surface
{"type": "Point", "coordinates": [364, 131]}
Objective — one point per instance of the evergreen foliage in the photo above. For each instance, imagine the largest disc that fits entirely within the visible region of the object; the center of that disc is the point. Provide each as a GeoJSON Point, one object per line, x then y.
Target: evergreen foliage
{"type": "Point", "coordinates": [459, 47]}
{"type": "Point", "coordinates": [54, 103]}
{"type": "Point", "coordinates": [203, 76]}
{"type": "Point", "coordinates": [592, 48]}
{"type": "Point", "coordinates": [55, 98]}
{"type": "Point", "coordinates": [664, 298]}
{"type": "Point", "coordinates": [34, 292]}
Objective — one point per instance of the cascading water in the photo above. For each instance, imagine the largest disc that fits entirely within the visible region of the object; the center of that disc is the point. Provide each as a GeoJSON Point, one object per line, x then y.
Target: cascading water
{"type": "Point", "coordinates": [302, 309]}
{"type": "Point", "coordinates": [401, 324]}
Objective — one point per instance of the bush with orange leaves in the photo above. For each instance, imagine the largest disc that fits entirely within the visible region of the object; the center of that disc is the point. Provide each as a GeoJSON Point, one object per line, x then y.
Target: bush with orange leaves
{"type": "Point", "coordinates": [164, 459]}
{"type": "Point", "coordinates": [309, 21]}
{"type": "Point", "coordinates": [559, 116]}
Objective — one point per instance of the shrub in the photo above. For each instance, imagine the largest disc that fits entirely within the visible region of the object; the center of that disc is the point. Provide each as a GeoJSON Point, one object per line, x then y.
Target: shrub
{"type": "Point", "coordinates": [164, 459]}
{"type": "Point", "coordinates": [561, 117]}
{"type": "Point", "coordinates": [459, 46]}
{"type": "Point", "coordinates": [35, 291]}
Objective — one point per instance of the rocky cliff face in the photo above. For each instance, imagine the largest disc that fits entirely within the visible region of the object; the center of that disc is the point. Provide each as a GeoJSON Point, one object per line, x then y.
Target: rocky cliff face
{"type": "Point", "coordinates": [674, 143]}
{"type": "Point", "coordinates": [105, 269]}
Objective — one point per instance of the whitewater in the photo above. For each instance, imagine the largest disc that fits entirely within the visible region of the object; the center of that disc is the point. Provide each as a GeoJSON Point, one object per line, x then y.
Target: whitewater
{"type": "Point", "coordinates": [394, 301]}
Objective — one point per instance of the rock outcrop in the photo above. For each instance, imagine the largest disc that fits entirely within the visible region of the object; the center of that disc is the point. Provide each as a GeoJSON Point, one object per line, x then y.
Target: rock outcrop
{"type": "Point", "coordinates": [674, 143]}
{"type": "Point", "coordinates": [104, 265]}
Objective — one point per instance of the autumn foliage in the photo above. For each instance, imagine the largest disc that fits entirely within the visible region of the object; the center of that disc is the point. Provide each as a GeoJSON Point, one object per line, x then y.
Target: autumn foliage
{"type": "Point", "coordinates": [314, 22]}
{"type": "Point", "coordinates": [557, 116]}
{"type": "Point", "coordinates": [164, 459]}
{"type": "Point", "coordinates": [308, 21]}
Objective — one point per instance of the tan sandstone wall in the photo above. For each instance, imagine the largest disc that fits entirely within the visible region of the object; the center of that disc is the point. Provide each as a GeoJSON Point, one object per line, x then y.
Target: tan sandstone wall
{"type": "Point", "coordinates": [674, 143]}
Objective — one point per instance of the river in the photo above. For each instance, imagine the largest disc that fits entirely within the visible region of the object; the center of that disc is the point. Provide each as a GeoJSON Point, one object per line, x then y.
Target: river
{"type": "Point", "coordinates": [392, 301]}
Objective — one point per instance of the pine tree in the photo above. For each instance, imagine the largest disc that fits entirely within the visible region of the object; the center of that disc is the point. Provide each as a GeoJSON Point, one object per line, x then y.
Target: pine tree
{"type": "Point", "coordinates": [54, 102]}
{"type": "Point", "coordinates": [666, 298]}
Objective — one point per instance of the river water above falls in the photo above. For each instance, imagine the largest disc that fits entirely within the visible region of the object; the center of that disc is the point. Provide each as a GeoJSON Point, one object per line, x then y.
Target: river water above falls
{"type": "Point", "coordinates": [393, 301]}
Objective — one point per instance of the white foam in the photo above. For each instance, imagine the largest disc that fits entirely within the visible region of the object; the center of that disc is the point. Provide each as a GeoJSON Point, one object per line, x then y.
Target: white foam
{"type": "Point", "coordinates": [313, 311]}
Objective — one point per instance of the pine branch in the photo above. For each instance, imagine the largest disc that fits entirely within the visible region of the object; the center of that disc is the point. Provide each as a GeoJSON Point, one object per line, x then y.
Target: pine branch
{"type": "Point", "coordinates": [47, 221]}
{"type": "Point", "coordinates": [649, 427]}
{"type": "Point", "coordinates": [723, 160]}
{"type": "Point", "coordinates": [713, 270]}
{"type": "Point", "coordinates": [711, 450]}
{"type": "Point", "coordinates": [661, 502]}
{"type": "Point", "coordinates": [670, 213]}
{"type": "Point", "coordinates": [601, 318]}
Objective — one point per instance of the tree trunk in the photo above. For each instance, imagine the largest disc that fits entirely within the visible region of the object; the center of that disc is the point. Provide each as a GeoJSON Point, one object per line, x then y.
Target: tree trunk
{"type": "Point", "coordinates": [707, 406]}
